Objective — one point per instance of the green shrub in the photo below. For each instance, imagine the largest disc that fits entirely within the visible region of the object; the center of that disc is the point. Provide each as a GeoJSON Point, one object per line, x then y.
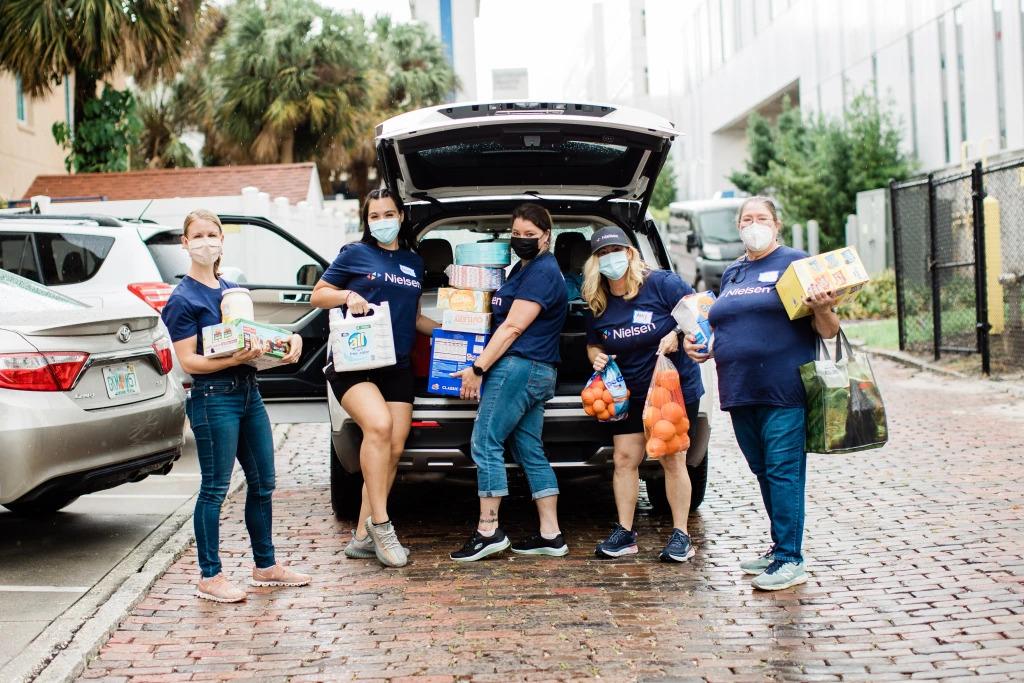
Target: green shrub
{"type": "Point", "coordinates": [877, 300]}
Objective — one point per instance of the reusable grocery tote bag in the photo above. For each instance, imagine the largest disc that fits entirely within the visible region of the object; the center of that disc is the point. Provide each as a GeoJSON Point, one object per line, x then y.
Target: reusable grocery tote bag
{"type": "Point", "coordinates": [362, 342]}
{"type": "Point", "coordinates": [844, 408]}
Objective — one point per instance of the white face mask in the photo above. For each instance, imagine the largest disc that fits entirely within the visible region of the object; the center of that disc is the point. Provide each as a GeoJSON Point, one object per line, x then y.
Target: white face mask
{"type": "Point", "coordinates": [204, 250]}
{"type": "Point", "coordinates": [757, 237]}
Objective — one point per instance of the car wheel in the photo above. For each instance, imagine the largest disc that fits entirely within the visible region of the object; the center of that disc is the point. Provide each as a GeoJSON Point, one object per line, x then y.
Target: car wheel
{"type": "Point", "coordinates": [44, 505]}
{"type": "Point", "coordinates": [346, 489]}
{"type": "Point", "coordinates": [698, 485]}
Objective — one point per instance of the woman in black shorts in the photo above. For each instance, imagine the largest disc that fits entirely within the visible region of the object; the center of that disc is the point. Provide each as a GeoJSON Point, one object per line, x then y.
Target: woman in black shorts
{"type": "Point", "coordinates": [382, 266]}
{"type": "Point", "coordinates": [631, 319]}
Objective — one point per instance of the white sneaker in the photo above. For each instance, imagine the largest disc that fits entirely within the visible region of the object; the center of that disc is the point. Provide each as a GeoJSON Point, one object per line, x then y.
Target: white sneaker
{"type": "Point", "coordinates": [780, 575]}
{"type": "Point", "coordinates": [385, 544]}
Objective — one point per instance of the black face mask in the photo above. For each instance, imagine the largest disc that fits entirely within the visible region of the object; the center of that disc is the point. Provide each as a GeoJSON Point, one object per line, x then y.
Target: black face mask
{"type": "Point", "coordinates": [525, 248]}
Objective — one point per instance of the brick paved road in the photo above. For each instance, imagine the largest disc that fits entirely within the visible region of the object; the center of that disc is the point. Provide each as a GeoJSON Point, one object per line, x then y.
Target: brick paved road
{"type": "Point", "coordinates": [916, 555]}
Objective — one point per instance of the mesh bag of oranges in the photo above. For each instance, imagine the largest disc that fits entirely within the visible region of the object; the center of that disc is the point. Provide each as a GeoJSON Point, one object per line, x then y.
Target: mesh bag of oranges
{"type": "Point", "coordinates": [665, 421]}
{"type": "Point", "coordinates": [605, 396]}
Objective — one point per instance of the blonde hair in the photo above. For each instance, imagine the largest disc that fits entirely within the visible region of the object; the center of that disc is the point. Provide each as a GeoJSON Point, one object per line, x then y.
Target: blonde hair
{"type": "Point", "coordinates": [204, 215]}
{"type": "Point", "coordinates": [595, 286]}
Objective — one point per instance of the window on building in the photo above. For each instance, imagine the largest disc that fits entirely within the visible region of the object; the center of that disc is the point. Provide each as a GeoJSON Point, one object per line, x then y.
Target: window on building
{"type": "Point", "coordinates": [913, 91]}
{"type": "Point", "coordinates": [958, 37]}
{"type": "Point", "coordinates": [19, 100]}
{"type": "Point", "coordinates": [944, 84]}
{"type": "Point", "coordinates": [997, 20]}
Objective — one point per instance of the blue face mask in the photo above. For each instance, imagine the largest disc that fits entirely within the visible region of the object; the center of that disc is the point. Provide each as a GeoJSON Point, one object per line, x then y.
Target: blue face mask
{"type": "Point", "coordinates": [614, 265]}
{"type": "Point", "coordinates": [385, 231]}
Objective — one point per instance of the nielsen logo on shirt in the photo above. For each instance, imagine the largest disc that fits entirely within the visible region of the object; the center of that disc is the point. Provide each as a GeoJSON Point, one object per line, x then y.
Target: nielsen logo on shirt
{"type": "Point", "coordinates": [495, 301]}
{"type": "Point", "coordinates": [747, 290]}
{"type": "Point", "coordinates": [402, 280]}
{"type": "Point", "coordinates": [634, 331]}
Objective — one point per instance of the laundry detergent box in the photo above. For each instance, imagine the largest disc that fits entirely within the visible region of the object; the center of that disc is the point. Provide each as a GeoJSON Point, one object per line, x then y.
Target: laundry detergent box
{"type": "Point", "coordinates": [470, 300]}
{"type": "Point", "coordinates": [474, 277]}
{"type": "Point", "coordinates": [452, 352]}
{"type": "Point", "coordinates": [840, 271]}
{"type": "Point", "coordinates": [466, 321]}
{"type": "Point", "coordinates": [225, 339]}
{"type": "Point", "coordinates": [691, 314]}
{"type": "Point", "coordinates": [492, 254]}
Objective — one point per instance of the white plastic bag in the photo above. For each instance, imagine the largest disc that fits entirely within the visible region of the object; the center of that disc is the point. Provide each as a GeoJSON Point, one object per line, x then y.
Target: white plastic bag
{"type": "Point", "coordinates": [362, 342]}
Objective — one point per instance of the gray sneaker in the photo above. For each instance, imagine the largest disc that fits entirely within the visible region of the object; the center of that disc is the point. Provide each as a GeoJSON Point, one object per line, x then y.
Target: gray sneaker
{"type": "Point", "coordinates": [363, 548]}
{"type": "Point", "coordinates": [780, 575]}
{"type": "Point", "coordinates": [385, 544]}
{"type": "Point", "coordinates": [760, 564]}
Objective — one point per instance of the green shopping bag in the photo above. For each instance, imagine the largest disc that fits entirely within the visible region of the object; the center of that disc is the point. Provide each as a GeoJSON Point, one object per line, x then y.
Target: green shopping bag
{"type": "Point", "coordinates": [845, 412]}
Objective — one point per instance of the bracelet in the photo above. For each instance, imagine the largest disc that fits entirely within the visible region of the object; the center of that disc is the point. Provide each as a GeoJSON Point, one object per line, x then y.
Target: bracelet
{"type": "Point", "coordinates": [345, 302]}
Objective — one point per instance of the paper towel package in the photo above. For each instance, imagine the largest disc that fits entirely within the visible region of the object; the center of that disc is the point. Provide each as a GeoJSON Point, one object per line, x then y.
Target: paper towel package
{"type": "Point", "coordinates": [466, 321]}
{"type": "Point", "coordinates": [225, 339]}
{"type": "Point", "coordinates": [452, 352]}
{"type": "Point", "coordinates": [451, 299]}
{"type": "Point", "coordinates": [492, 254]}
{"type": "Point", "coordinates": [840, 271]}
{"type": "Point", "coordinates": [691, 314]}
{"type": "Point", "coordinates": [474, 277]}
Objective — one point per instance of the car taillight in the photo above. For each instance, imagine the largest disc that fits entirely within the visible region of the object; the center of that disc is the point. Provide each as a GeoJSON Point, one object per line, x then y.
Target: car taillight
{"type": "Point", "coordinates": [162, 346]}
{"type": "Point", "coordinates": [55, 371]}
{"type": "Point", "coordinates": [426, 424]}
{"type": "Point", "coordinates": [153, 293]}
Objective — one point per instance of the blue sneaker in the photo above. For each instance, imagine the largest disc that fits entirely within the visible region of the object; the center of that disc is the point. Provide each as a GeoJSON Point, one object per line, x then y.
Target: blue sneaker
{"type": "Point", "coordinates": [620, 542]}
{"type": "Point", "coordinates": [679, 548]}
{"type": "Point", "coordinates": [779, 575]}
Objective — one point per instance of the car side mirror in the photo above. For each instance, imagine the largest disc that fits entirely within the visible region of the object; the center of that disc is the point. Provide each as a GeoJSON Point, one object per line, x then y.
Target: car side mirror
{"type": "Point", "coordinates": [691, 241]}
{"type": "Point", "coordinates": [309, 274]}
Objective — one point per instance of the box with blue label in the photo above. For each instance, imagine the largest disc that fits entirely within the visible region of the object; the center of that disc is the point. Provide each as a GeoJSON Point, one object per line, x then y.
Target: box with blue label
{"type": "Point", "coordinates": [492, 254]}
{"type": "Point", "coordinates": [452, 352]}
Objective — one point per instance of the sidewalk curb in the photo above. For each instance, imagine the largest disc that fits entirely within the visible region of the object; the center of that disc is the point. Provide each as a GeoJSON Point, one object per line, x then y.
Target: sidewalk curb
{"type": "Point", "coordinates": [60, 652]}
{"type": "Point", "coordinates": [914, 362]}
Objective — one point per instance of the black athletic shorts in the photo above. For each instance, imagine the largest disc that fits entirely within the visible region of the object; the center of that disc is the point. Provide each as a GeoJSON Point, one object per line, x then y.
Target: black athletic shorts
{"type": "Point", "coordinates": [396, 384]}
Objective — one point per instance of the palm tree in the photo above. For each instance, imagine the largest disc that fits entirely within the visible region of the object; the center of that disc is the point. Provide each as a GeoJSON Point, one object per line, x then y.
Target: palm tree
{"type": "Point", "coordinates": [44, 40]}
{"type": "Point", "coordinates": [163, 124]}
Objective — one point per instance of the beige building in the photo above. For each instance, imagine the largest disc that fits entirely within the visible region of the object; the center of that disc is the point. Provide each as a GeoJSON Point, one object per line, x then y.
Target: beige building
{"type": "Point", "coordinates": [27, 148]}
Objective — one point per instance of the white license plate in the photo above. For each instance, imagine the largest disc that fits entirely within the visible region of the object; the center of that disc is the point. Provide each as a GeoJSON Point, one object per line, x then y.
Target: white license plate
{"type": "Point", "coordinates": [121, 380]}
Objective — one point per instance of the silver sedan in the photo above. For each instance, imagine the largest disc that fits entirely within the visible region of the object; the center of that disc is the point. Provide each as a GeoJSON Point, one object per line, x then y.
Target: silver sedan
{"type": "Point", "coordinates": [85, 399]}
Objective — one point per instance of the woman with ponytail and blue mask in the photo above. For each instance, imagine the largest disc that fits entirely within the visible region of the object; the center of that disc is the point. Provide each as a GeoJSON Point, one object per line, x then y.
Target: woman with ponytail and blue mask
{"type": "Point", "coordinates": [630, 320]}
{"type": "Point", "coordinates": [380, 267]}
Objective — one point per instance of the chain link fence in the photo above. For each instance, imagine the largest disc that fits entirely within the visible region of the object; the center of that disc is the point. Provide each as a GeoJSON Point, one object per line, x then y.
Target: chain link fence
{"type": "Point", "coordinates": [959, 248]}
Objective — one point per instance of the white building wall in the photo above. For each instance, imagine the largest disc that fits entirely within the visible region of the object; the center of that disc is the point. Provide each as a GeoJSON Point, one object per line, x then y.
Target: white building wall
{"type": "Point", "coordinates": [463, 18]}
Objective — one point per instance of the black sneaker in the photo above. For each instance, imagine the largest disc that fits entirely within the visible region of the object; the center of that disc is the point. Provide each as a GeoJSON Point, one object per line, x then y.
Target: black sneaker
{"type": "Point", "coordinates": [479, 546]}
{"type": "Point", "coordinates": [679, 548]}
{"type": "Point", "coordinates": [620, 542]}
{"type": "Point", "coordinates": [538, 545]}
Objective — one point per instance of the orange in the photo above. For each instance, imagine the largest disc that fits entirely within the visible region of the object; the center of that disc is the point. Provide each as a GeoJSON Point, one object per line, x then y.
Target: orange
{"type": "Point", "coordinates": [607, 397]}
{"type": "Point", "coordinates": [597, 385]}
{"type": "Point", "coordinates": [604, 415]}
{"type": "Point", "coordinates": [651, 416]}
{"type": "Point", "coordinates": [660, 396]}
{"type": "Point", "coordinates": [655, 447]}
{"type": "Point", "coordinates": [682, 429]}
{"type": "Point", "coordinates": [587, 395]}
{"type": "Point", "coordinates": [664, 430]}
{"type": "Point", "coordinates": [600, 406]}
{"type": "Point", "coordinates": [588, 409]}
{"type": "Point", "coordinates": [668, 379]}
{"type": "Point", "coordinates": [673, 412]}
{"type": "Point", "coordinates": [673, 445]}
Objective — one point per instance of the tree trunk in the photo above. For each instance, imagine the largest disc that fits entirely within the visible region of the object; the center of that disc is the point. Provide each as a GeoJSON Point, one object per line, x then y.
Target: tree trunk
{"type": "Point", "coordinates": [359, 179]}
{"type": "Point", "coordinates": [288, 148]}
{"type": "Point", "coordinates": [85, 90]}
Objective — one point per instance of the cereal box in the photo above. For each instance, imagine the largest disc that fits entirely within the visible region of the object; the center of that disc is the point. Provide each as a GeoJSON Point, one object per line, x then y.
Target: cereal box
{"type": "Point", "coordinates": [225, 339]}
{"type": "Point", "coordinates": [840, 271]}
{"type": "Point", "coordinates": [451, 352]}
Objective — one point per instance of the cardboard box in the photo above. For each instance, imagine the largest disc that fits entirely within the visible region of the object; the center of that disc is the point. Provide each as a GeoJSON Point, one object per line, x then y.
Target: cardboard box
{"type": "Point", "coordinates": [473, 277]}
{"type": "Point", "coordinates": [840, 271]}
{"type": "Point", "coordinates": [452, 352]}
{"type": "Point", "coordinates": [225, 339]}
{"type": "Point", "coordinates": [451, 299]}
{"type": "Point", "coordinates": [492, 254]}
{"type": "Point", "coordinates": [465, 321]}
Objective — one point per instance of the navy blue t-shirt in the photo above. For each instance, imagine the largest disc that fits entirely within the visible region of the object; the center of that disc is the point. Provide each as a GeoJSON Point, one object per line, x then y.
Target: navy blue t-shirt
{"type": "Point", "coordinates": [193, 306]}
{"type": "Point", "coordinates": [632, 330]}
{"type": "Point", "coordinates": [540, 281]}
{"type": "Point", "coordinates": [758, 349]}
{"type": "Point", "coordinates": [380, 275]}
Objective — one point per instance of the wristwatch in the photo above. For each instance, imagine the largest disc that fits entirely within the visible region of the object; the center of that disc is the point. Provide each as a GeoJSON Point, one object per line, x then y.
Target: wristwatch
{"type": "Point", "coordinates": [477, 370]}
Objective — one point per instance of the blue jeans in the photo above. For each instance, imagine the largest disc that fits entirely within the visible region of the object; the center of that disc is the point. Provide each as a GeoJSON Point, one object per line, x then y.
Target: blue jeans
{"type": "Point", "coordinates": [512, 409]}
{"type": "Point", "coordinates": [229, 421]}
{"type": "Point", "coordinates": [772, 440]}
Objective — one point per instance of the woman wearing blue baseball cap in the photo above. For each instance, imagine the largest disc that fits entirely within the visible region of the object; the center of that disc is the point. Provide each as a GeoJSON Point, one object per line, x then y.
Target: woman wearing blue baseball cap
{"type": "Point", "coordinates": [631, 320]}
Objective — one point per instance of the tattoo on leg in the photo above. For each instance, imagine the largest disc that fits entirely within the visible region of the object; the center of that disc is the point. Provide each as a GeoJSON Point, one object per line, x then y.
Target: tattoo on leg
{"type": "Point", "coordinates": [489, 520]}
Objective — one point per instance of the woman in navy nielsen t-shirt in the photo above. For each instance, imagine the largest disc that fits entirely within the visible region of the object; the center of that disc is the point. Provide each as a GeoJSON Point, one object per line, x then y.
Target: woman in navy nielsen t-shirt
{"type": "Point", "coordinates": [758, 352]}
{"type": "Point", "coordinates": [520, 361]}
{"type": "Point", "coordinates": [381, 267]}
{"type": "Point", "coordinates": [227, 416]}
{"type": "Point", "coordinates": [631, 319]}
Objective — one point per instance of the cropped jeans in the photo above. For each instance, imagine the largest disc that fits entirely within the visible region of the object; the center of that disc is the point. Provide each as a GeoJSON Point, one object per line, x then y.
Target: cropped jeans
{"type": "Point", "coordinates": [229, 422]}
{"type": "Point", "coordinates": [512, 410]}
{"type": "Point", "coordinates": [772, 441]}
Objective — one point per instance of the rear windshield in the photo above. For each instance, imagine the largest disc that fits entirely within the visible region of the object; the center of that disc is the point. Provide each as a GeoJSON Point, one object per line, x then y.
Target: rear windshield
{"type": "Point", "coordinates": [718, 225]}
{"type": "Point", "coordinates": [54, 258]}
{"type": "Point", "coordinates": [171, 260]}
{"type": "Point", "coordinates": [19, 294]}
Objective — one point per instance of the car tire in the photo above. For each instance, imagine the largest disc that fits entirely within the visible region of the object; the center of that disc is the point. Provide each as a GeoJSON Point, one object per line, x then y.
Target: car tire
{"type": "Point", "coordinates": [698, 486]}
{"type": "Point", "coordinates": [346, 489]}
{"type": "Point", "coordinates": [42, 506]}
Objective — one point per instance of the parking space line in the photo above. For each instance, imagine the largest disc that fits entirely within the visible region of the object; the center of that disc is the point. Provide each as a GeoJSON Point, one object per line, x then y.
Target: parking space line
{"type": "Point", "coordinates": [151, 496]}
{"type": "Point", "coordinates": [43, 589]}
{"type": "Point", "coordinates": [183, 475]}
